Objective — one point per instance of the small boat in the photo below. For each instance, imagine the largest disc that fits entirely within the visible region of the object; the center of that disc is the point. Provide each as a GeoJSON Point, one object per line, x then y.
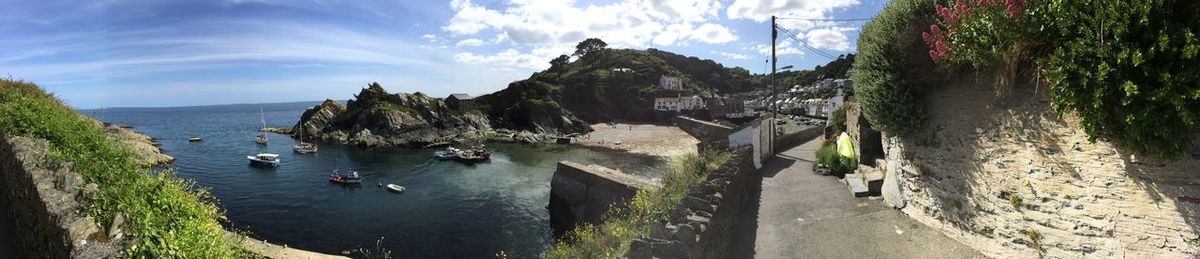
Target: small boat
{"type": "Point", "coordinates": [352, 178]}
{"type": "Point", "coordinates": [266, 159]}
{"type": "Point", "coordinates": [474, 154]}
{"type": "Point", "coordinates": [304, 147]}
{"type": "Point", "coordinates": [395, 188]}
{"type": "Point", "coordinates": [261, 139]}
{"type": "Point", "coordinates": [195, 139]}
{"type": "Point", "coordinates": [449, 153]}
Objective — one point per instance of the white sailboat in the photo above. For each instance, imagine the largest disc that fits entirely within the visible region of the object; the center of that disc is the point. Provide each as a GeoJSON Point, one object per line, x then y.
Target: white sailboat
{"type": "Point", "coordinates": [261, 139]}
{"type": "Point", "coordinates": [304, 147]}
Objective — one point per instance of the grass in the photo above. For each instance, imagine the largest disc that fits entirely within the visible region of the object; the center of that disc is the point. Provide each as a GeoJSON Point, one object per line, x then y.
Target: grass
{"type": "Point", "coordinates": [611, 239]}
{"type": "Point", "coordinates": [163, 216]}
{"type": "Point", "coordinates": [828, 156]}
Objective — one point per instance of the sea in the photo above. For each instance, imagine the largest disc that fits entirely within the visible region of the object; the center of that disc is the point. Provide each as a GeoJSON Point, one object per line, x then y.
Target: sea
{"type": "Point", "coordinates": [449, 209]}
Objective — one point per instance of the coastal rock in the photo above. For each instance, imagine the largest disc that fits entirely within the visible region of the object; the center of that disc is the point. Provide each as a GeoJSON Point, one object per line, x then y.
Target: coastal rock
{"type": "Point", "coordinates": [145, 148]}
{"type": "Point", "coordinates": [379, 119]}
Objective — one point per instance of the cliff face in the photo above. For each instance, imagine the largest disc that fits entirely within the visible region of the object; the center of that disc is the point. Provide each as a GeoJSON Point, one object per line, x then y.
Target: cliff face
{"type": "Point", "coordinates": [379, 119]}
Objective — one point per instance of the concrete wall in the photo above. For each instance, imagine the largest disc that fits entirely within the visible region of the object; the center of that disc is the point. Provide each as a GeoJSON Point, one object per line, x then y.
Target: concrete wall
{"type": "Point", "coordinates": [44, 204]}
{"type": "Point", "coordinates": [1083, 199]}
{"type": "Point", "coordinates": [584, 193]}
{"type": "Point", "coordinates": [702, 225]}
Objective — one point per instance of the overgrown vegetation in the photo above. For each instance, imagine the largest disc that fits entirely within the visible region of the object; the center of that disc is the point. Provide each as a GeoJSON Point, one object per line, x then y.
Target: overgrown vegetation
{"type": "Point", "coordinates": [611, 239]}
{"type": "Point", "coordinates": [891, 65]}
{"type": "Point", "coordinates": [1128, 69]}
{"type": "Point", "coordinates": [827, 155]}
{"type": "Point", "coordinates": [163, 216]}
{"type": "Point", "coordinates": [838, 119]}
{"type": "Point", "coordinates": [378, 252]}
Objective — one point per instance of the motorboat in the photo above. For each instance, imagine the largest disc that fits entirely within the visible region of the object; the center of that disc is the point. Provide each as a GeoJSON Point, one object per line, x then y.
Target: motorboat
{"type": "Point", "coordinates": [265, 159]}
{"type": "Point", "coordinates": [448, 154]}
{"type": "Point", "coordinates": [474, 154]}
{"type": "Point", "coordinates": [395, 188]}
{"type": "Point", "coordinates": [195, 139]}
{"type": "Point", "coordinates": [351, 178]}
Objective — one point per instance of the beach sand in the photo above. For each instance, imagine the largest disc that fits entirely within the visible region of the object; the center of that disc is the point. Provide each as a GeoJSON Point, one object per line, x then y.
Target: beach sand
{"type": "Point", "coordinates": [648, 139]}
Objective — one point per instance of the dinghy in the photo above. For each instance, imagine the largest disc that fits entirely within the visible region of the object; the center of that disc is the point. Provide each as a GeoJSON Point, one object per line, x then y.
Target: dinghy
{"type": "Point", "coordinates": [395, 188]}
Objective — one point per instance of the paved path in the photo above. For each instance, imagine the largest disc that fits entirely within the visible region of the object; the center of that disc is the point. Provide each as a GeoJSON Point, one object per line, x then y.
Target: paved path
{"type": "Point", "coordinates": [804, 215]}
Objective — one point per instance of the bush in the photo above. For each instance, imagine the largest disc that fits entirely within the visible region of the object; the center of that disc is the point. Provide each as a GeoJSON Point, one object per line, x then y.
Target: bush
{"type": "Point", "coordinates": [828, 157]}
{"type": "Point", "coordinates": [889, 66]}
{"type": "Point", "coordinates": [611, 239]}
{"type": "Point", "coordinates": [164, 218]}
{"type": "Point", "coordinates": [838, 119]}
{"type": "Point", "coordinates": [1126, 68]}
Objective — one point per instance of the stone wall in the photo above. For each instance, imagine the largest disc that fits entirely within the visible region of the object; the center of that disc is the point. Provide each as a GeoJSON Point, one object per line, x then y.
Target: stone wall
{"type": "Point", "coordinates": [869, 142]}
{"type": "Point", "coordinates": [702, 225]}
{"type": "Point", "coordinates": [1012, 179]}
{"type": "Point", "coordinates": [44, 201]}
{"type": "Point", "coordinates": [710, 134]}
{"type": "Point", "coordinates": [584, 193]}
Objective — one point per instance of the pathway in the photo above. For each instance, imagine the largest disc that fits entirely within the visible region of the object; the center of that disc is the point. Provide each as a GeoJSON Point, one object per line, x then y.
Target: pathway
{"type": "Point", "coordinates": [804, 215]}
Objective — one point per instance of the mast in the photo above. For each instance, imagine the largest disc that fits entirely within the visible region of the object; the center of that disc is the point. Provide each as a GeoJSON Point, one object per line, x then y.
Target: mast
{"type": "Point", "coordinates": [263, 119]}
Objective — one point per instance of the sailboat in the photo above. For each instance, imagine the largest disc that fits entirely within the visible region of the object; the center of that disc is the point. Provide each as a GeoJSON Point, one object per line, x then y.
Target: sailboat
{"type": "Point", "coordinates": [304, 147]}
{"type": "Point", "coordinates": [261, 139]}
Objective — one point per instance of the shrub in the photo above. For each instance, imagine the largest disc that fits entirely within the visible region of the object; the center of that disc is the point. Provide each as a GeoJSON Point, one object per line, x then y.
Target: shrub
{"type": "Point", "coordinates": [611, 239]}
{"type": "Point", "coordinates": [164, 218]}
{"type": "Point", "coordinates": [838, 119]}
{"type": "Point", "coordinates": [888, 68]}
{"type": "Point", "coordinates": [1126, 68]}
{"type": "Point", "coordinates": [828, 156]}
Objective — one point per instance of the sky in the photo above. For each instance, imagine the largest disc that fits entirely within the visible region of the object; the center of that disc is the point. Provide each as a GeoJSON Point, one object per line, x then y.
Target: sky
{"type": "Point", "coordinates": [142, 53]}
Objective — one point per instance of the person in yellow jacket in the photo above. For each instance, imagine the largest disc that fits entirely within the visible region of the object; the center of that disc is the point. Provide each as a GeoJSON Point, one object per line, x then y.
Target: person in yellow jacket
{"type": "Point", "coordinates": [845, 147]}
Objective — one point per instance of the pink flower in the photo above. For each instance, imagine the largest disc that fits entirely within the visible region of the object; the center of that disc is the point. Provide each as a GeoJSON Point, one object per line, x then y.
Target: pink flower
{"type": "Point", "coordinates": [1014, 8]}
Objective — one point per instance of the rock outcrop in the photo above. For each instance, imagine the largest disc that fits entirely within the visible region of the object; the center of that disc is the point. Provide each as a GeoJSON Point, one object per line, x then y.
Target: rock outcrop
{"type": "Point", "coordinates": [379, 119]}
{"type": "Point", "coordinates": [145, 150]}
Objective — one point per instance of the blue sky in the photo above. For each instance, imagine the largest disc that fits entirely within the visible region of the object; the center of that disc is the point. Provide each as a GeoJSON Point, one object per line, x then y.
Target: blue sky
{"type": "Point", "coordinates": [125, 53]}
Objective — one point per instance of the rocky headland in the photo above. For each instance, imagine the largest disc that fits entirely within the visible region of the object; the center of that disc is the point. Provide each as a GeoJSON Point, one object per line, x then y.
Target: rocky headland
{"type": "Point", "coordinates": [145, 148]}
{"type": "Point", "coordinates": [376, 118]}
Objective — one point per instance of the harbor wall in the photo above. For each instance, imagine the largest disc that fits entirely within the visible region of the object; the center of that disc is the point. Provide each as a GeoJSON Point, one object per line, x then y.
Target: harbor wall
{"type": "Point", "coordinates": [702, 225]}
{"type": "Point", "coordinates": [44, 204]}
{"type": "Point", "coordinates": [584, 193]}
{"type": "Point", "coordinates": [1011, 178]}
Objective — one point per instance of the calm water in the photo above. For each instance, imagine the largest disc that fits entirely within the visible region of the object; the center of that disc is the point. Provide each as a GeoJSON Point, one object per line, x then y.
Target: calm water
{"type": "Point", "coordinates": [449, 210]}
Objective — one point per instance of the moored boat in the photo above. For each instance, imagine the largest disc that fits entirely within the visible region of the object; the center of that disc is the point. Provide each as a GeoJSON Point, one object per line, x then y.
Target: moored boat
{"type": "Point", "coordinates": [395, 188]}
{"type": "Point", "coordinates": [261, 139]}
{"type": "Point", "coordinates": [352, 178]}
{"type": "Point", "coordinates": [195, 139]}
{"type": "Point", "coordinates": [265, 159]}
{"type": "Point", "coordinates": [305, 148]}
{"type": "Point", "coordinates": [449, 153]}
{"type": "Point", "coordinates": [474, 154]}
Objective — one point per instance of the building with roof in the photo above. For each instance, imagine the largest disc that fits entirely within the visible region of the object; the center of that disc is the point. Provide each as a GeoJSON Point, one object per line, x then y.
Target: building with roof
{"type": "Point", "coordinates": [460, 101]}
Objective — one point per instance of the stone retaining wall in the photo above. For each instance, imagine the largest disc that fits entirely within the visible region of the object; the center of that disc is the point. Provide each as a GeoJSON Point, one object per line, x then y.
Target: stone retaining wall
{"type": "Point", "coordinates": [44, 204]}
{"type": "Point", "coordinates": [1012, 179]}
{"type": "Point", "coordinates": [584, 193]}
{"type": "Point", "coordinates": [702, 225]}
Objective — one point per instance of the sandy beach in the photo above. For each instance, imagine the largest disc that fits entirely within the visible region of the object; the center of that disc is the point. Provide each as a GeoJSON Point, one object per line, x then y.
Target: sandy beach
{"type": "Point", "coordinates": [648, 139]}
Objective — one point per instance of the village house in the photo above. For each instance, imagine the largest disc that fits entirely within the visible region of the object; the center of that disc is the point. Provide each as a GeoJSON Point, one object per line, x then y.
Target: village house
{"type": "Point", "coordinates": [670, 83]}
{"type": "Point", "coordinates": [679, 104]}
{"type": "Point", "coordinates": [460, 102]}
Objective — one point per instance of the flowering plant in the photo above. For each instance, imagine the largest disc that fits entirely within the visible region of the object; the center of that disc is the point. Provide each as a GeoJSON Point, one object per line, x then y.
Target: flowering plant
{"type": "Point", "coordinates": [976, 32]}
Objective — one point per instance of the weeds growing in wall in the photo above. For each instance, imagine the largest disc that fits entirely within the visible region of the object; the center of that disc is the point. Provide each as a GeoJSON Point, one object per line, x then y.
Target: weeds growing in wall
{"type": "Point", "coordinates": [611, 239]}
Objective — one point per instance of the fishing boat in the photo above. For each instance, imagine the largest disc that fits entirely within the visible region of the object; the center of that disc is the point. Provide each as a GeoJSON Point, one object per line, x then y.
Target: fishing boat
{"type": "Point", "coordinates": [264, 159]}
{"type": "Point", "coordinates": [474, 154]}
{"type": "Point", "coordinates": [195, 139]}
{"type": "Point", "coordinates": [352, 178]}
{"type": "Point", "coordinates": [304, 147]}
{"type": "Point", "coordinates": [395, 188]}
{"type": "Point", "coordinates": [261, 139]}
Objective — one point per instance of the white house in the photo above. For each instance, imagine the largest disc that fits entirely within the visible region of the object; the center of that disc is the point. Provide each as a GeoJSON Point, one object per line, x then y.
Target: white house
{"type": "Point", "coordinates": [670, 83]}
{"type": "Point", "coordinates": [676, 104]}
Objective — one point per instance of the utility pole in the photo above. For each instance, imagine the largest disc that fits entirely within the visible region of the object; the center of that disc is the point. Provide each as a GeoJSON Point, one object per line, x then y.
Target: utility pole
{"type": "Point", "coordinates": [771, 107]}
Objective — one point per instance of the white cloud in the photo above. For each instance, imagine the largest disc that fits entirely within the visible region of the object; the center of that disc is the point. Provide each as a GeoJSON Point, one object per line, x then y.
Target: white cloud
{"type": "Point", "coordinates": [833, 38]}
{"type": "Point", "coordinates": [730, 55]}
{"type": "Point", "coordinates": [713, 33]}
{"type": "Point", "coordinates": [819, 34]}
{"type": "Point", "coordinates": [783, 48]}
{"type": "Point", "coordinates": [470, 43]}
{"type": "Point", "coordinates": [530, 25]}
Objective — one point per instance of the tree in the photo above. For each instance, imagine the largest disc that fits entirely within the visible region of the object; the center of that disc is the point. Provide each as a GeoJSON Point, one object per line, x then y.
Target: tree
{"type": "Point", "coordinates": [560, 61]}
{"type": "Point", "coordinates": [589, 45]}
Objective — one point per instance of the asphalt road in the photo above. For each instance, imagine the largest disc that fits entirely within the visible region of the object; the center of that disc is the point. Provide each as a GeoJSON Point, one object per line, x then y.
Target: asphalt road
{"type": "Point", "coordinates": [804, 215]}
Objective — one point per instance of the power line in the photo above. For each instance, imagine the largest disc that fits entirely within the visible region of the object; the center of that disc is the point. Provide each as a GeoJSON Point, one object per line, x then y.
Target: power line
{"type": "Point", "coordinates": [824, 20]}
{"type": "Point", "coordinates": [809, 47]}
